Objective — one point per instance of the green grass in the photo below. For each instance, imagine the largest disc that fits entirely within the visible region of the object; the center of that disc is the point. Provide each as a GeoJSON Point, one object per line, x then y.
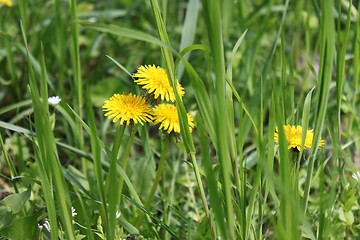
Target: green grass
{"type": "Point", "coordinates": [247, 68]}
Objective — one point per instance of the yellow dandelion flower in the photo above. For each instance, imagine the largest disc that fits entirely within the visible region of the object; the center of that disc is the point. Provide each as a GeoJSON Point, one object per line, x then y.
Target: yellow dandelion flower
{"type": "Point", "coordinates": [293, 137]}
{"type": "Point", "coordinates": [166, 114]}
{"type": "Point", "coordinates": [155, 79]}
{"type": "Point", "coordinates": [8, 3]}
{"type": "Point", "coordinates": [127, 107]}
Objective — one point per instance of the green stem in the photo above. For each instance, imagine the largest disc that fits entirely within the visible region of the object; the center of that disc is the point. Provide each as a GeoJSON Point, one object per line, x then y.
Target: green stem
{"type": "Point", "coordinates": [191, 191]}
{"type": "Point", "coordinates": [158, 173]}
{"type": "Point", "coordinates": [156, 180]}
{"type": "Point", "coordinates": [111, 183]}
{"type": "Point", "coordinates": [202, 192]}
{"type": "Point", "coordinates": [126, 160]}
{"type": "Point", "coordinates": [114, 152]}
{"type": "Point", "coordinates": [10, 166]}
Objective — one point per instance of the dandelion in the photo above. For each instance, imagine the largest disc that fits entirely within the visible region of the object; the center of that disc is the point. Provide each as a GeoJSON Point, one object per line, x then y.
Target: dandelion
{"type": "Point", "coordinates": [127, 107]}
{"type": "Point", "coordinates": [8, 3]}
{"type": "Point", "coordinates": [356, 176]}
{"type": "Point", "coordinates": [293, 137]}
{"type": "Point", "coordinates": [155, 79]}
{"type": "Point", "coordinates": [54, 100]}
{"type": "Point", "coordinates": [167, 115]}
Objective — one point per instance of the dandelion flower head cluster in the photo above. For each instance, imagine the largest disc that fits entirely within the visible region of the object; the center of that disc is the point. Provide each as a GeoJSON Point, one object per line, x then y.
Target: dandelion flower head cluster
{"type": "Point", "coordinates": [130, 108]}
{"type": "Point", "coordinates": [155, 80]}
{"type": "Point", "coordinates": [166, 115]}
{"type": "Point", "coordinates": [293, 137]}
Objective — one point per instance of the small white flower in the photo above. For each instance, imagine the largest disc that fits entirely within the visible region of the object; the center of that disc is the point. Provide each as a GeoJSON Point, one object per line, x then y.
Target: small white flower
{"type": "Point", "coordinates": [73, 213]}
{"type": "Point", "coordinates": [92, 19]}
{"type": "Point", "coordinates": [118, 214]}
{"type": "Point", "coordinates": [44, 223]}
{"type": "Point", "coordinates": [356, 176]}
{"type": "Point", "coordinates": [54, 100]}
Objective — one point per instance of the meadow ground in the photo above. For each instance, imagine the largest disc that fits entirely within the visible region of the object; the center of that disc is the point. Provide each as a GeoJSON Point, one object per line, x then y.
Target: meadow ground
{"type": "Point", "coordinates": [179, 119]}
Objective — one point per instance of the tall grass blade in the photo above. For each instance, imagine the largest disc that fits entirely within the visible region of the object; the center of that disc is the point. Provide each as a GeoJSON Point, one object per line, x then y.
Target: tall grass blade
{"type": "Point", "coordinates": [47, 145]}
{"type": "Point", "coordinates": [326, 60]}
{"type": "Point", "coordinates": [188, 31]}
{"type": "Point", "coordinates": [221, 106]}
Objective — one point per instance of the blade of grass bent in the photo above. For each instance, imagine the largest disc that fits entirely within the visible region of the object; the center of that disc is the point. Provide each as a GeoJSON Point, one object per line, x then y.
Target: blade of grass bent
{"type": "Point", "coordinates": [124, 32]}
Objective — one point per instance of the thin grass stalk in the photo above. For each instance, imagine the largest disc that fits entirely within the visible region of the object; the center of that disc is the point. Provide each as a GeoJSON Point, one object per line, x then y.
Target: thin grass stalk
{"type": "Point", "coordinates": [242, 194]}
{"type": "Point", "coordinates": [291, 97]}
{"type": "Point", "coordinates": [191, 190]}
{"type": "Point", "coordinates": [60, 43]}
{"type": "Point", "coordinates": [95, 148]}
{"type": "Point", "coordinates": [111, 176]}
{"type": "Point", "coordinates": [11, 66]}
{"type": "Point", "coordinates": [356, 63]}
{"type": "Point", "coordinates": [58, 177]}
{"type": "Point", "coordinates": [184, 125]}
{"type": "Point", "coordinates": [228, 7]}
{"type": "Point", "coordinates": [10, 165]}
{"type": "Point", "coordinates": [20, 156]}
{"type": "Point", "coordinates": [24, 16]}
{"type": "Point", "coordinates": [189, 30]}
{"type": "Point", "coordinates": [305, 123]}
{"type": "Point", "coordinates": [47, 145]}
{"type": "Point", "coordinates": [283, 76]}
{"type": "Point", "coordinates": [75, 60]}
{"type": "Point", "coordinates": [112, 183]}
{"type": "Point", "coordinates": [269, 164]}
{"type": "Point", "coordinates": [47, 189]}
{"type": "Point", "coordinates": [327, 54]}
{"type": "Point", "coordinates": [257, 177]}
{"type": "Point", "coordinates": [90, 234]}
{"type": "Point", "coordinates": [159, 171]}
{"type": "Point", "coordinates": [283, 168]}
{"type": "Point", "coordinates": [340, 70]}
{"type": "Point", "coordinates": [171, 193]}
{"type": "Point", "coordinates": [125, 159]}
{"type": "Point", "coordinates": [202, 192]}
{"type": "Point", "coordinates": [213, 19]}
{"type": "Point", "coordinates": [261, 157]}
{"type": "Point", "coordinates": [214, 195]}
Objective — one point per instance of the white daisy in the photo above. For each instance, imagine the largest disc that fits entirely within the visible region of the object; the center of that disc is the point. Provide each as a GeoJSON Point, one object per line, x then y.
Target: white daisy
{"type": "Point", "coordinates": [73, 213]}
{"type": "Point", "coordinates": [54, 100]}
